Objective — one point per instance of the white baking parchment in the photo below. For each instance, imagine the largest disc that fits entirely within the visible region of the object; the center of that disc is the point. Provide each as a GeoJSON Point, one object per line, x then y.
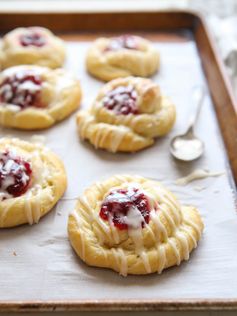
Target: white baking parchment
{"type": "Point", "coordinates": [38, 263]}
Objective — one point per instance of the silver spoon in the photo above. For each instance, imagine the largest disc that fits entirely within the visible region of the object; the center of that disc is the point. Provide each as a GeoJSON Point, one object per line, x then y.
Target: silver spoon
{"type": "Point", "coordinates": [188, 147]}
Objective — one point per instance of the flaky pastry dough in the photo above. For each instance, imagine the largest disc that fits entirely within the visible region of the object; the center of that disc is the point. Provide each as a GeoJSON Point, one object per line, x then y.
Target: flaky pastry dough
{"type": "Point", "coordinates": [59, 94]}
{"type": "Point", "coordinates": [107, 61]}
{"type": "Point", "coordinates": [149, 115]}
{"type": "Point", "coordinates": [50, 54]}
{"type": "Point", "coordinates": [47, 184]}
{"type": "Point", "coordinates": [162, 241]}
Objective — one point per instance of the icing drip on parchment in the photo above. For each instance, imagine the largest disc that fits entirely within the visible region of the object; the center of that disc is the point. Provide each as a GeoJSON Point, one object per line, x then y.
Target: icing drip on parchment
{"type": "Point", "coordinates": [196, 175]}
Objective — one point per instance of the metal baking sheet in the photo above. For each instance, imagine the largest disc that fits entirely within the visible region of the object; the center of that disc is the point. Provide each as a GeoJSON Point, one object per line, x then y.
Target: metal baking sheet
{"type": "Point", "coordinates": [37, 262]}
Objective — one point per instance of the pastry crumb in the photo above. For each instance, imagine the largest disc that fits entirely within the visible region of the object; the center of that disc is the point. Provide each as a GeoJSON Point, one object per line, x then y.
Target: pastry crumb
{"type": "Point", "coordinates": [199, 188]}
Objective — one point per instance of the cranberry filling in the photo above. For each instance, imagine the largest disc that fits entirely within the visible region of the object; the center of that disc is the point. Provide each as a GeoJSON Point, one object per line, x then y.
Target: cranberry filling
{"type": "Point", "coordinates": [128, 208]}
{"type": "Point", "coordinates": [22, 89]}
{"type": "Point", "coordinates": [15, 174]}
{"type": "Point", "coordinates": [124, 41]}
{"type": "Point", "coordinates": [122, 100]}
{"type": "Point", "coordinates": [32, 38]}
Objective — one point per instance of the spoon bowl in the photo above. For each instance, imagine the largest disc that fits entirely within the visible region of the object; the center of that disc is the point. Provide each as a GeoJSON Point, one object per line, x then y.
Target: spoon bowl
{"type": "Point", "coordinates": [185, 148]}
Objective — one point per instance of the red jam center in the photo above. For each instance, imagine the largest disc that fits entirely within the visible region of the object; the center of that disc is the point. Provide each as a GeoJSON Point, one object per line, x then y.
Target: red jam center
{"type": "Point", "coordinates": [22, 89]}
{"type": "Point", "coordinates": [32, 38]}
{"type": "Point", "coordinates": [124, 41]}
{"type": "Point", "coordinates": [15, 174]}
{"type": "Point", "coordinates": [127, 208]}
{"type": "Point", "coordinates": [122, 100]}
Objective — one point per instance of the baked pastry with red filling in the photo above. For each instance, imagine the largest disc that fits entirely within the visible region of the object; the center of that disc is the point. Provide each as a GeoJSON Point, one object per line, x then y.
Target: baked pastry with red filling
{"type": "Point", "coordinates": [32, 180]}
{"type": "Point", "coordinates": [122, 56]}
{"type": "Point", "coordinates": [32, 45]}
{"type": "Point", "coordinates": [133, 225]}
{"type": "Point", "coordinates": [34, 97]}
{"type": "Point", "coordinates": [127, 115]}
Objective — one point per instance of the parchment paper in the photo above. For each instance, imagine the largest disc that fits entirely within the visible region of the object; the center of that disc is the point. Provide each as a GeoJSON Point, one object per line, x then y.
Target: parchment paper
{"type": "Point", "coordinates": [44, 266]}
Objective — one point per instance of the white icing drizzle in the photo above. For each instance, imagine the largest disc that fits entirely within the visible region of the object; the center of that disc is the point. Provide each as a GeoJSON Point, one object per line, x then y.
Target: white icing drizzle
{"type": "Point", "coordinates": [77, 218]}
{"type": "Point", "coordinates": [64, 81]}
{"type": "Point", "coordinates": [36, 209]}
{"type": "Point", "coordinates": [161, 254]}
{"type": "Point", "coordinates": [117, 136]}
{"type": "Point", "coordinates": [136, 235]}
{"type": "Point", "coordinates": [145, 260]}
{"type": "Point", "coordinates": [100, 138]}
{"type": "Point", "coordinates": [28, 208]}
{"type": "Point", "coordinates": [96, 218]}
{"type": "Point", "coordinates": [84, 126]}
{"type": "Point", "coordinates": [123, 262]}
{"type": "Point", "coordinates": [173, 245]}
{"type": "Point", "coordinates": [116, 257]}
{"type": "Point", "coordinates": [184, 243]}
{"type": "Point", "coordinates": [196, 175]}
{"type": "Point", "coordinates": [33, 196]}
{"type": "Point", "coordinates": [168, 216]}
{"type": "Point", "coordinates": [101, 238]}
{"type": "Point", "coordinates": [134, 220]}
{"type": "Point", "coordinates": [84, 202]}
{"type": "Point", "coordinates": [103, 133]}
{"type": "Point", "coordinates": [169, 201]}
{"type": "Point", "coordinates": [194, 226]}
{"type": "Point", "coordinates": [114, 231]}
{"type": "Point", "coordinates": [188, 232]}
{"type": "Point", "coordinates": [152, 233]}
{"type": "Point", "coordinates": [159, 226]}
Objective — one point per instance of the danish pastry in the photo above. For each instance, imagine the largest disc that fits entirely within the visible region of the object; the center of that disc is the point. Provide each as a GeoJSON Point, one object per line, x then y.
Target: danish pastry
{"type": "Point", "coordinates": [127, 115]}
{"type": "Point", "coordinates": [32, 180]}
{"type": "Point", "coordinates": [32, 45]}
{"type": "Point", "coordinates": [34, 97]}
{"type": "Point", "coordinates": [123, 56]}
{"type": "Point", "coordinates": [133, 225]}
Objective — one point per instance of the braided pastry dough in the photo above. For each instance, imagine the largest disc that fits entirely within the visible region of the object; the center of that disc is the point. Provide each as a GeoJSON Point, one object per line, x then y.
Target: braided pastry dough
{"type": "Point", "coordinates": [33, 97]}
{"type": "Point", "coordinates": [32, 45]}
{"type": "Point", "coordinates": [32, 180]}
{"type": "Point", "coordinates": [123, 56]}
{"type": "Point", "coordinates": [133, 225]}
{"type": "Point", "coordinates": [127, 115]}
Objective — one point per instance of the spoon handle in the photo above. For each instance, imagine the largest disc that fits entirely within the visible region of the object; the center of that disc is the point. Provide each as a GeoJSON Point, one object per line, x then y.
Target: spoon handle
{"type": "Point", "coordinates": [198, 95]}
